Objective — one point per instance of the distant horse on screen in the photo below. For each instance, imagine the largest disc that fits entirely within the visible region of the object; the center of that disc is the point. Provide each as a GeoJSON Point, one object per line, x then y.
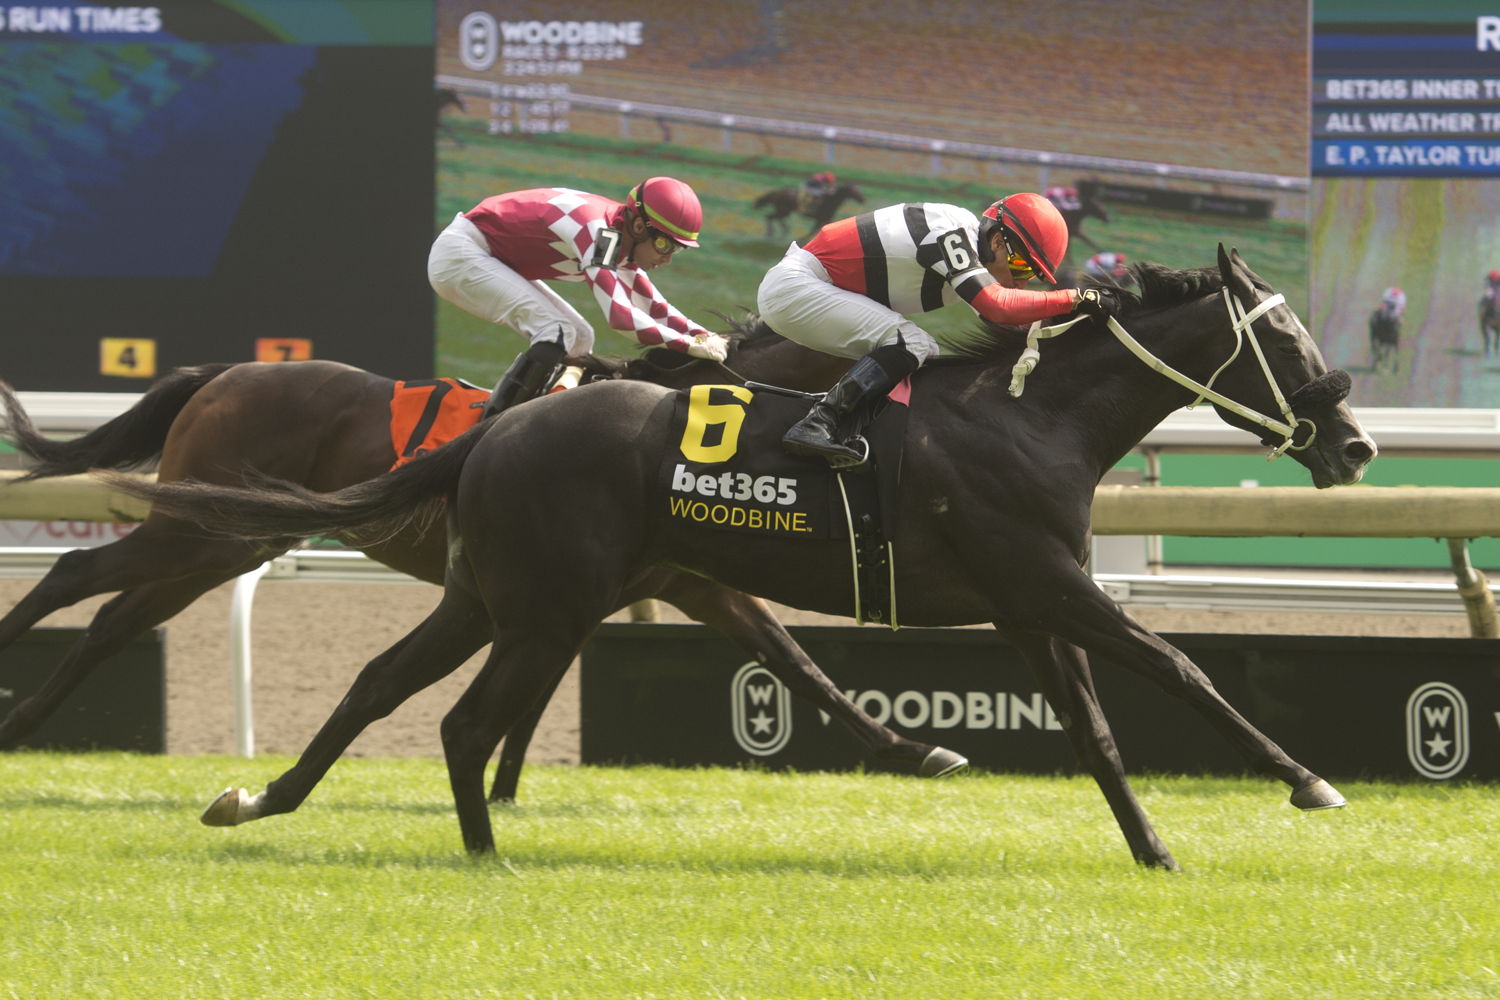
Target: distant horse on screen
{"type": "Point", "coordinates": [1080, 204]}
{"type": "Point", "coordinates": [782, 202]}
{"type": "Point", "coordinates": [326, 425]}
{"type": "Point", "coordinates": [1489, 325]}
{"type": "Point", "coordinates": [445, 98]}
{"type": "Point", "coordinates": [1385, 339]}
{"type": "Point", "coordinates": [992, 518]}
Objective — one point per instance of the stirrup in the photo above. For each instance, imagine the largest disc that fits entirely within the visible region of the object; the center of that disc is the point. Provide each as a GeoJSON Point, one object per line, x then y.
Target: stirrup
{"type": "Point", "coordinates": [842, 463]}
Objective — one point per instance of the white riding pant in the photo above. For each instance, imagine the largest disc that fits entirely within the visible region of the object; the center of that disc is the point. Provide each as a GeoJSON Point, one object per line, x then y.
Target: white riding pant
{"type": "Point", "coordinates": [798, 301]}
{"type": "Point", "coordinates": [463, 271]}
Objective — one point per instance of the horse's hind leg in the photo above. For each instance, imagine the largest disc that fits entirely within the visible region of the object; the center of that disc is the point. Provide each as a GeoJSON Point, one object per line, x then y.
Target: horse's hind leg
{"type": "Point", "coordinates": [439, 645]}
{"type": "Point", "coordinates": [523, 664]}
{"type": "Point", "coordinates": [150, 553]}
{"type": "Point", "coordinates": [159, 572]}
{"type": "Point", "coordinates": [1068, 685]}
{"type": "Point", "coordinates": [116, 623]}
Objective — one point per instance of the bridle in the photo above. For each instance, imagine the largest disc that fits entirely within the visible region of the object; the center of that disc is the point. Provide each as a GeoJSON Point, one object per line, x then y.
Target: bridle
{"type": "Point", "coordinates": [1331, 386]}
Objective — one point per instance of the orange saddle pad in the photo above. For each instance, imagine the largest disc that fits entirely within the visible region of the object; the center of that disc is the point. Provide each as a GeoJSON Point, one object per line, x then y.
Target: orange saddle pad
{"type": "Point", "coordinates": [428, 413]}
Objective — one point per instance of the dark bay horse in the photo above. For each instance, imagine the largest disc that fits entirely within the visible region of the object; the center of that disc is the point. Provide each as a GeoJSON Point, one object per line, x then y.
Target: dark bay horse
{"type": "Point", "coordinates": [326, 425]}
{"type": "Point", "coordinates": [1385, 340]}
{"type": "Point", "coordinates": [993, 518]}
{"type": "Point", "coordinates": [782, 202]}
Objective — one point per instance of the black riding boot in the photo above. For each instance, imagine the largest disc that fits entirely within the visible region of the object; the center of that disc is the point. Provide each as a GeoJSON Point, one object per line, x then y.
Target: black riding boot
{"type": "Point", "coordinates": [525, 377]}
{"type": "Point", "coordinates": [852, 398]}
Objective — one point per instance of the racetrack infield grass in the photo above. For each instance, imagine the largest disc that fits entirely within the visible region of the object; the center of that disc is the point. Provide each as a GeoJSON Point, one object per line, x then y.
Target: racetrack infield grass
{"type": "Point", "coordinates": [717, 883]}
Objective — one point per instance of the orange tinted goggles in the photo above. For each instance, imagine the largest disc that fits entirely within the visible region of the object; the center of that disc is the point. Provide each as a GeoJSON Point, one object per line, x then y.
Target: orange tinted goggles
{"type": "Point", "coordinates": [1020, 268]}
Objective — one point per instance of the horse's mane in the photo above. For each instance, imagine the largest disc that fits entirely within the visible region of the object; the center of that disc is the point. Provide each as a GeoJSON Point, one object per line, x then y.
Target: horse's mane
{"type": "Point", "coordinates": [747, 329]}
{"type": "Point", "coordinates": [1159, 287]}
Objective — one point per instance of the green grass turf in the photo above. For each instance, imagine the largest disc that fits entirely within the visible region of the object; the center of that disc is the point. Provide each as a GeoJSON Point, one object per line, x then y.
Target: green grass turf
{"type": "Point", "coordinates": [714, 883]}
{"type": "Point", "coordinates": [724, 274]}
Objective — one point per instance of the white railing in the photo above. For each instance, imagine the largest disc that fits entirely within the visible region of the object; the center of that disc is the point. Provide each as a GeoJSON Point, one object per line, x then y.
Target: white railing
{"type": "Point", "coordinates": [1398, 430]}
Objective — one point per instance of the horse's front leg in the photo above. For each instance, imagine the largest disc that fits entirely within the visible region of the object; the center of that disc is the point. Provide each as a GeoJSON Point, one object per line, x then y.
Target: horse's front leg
{"type": "Point", "coordinates": [748, 622]}
{"type": "Point", "coordinates": [1077, 611]}
{"type": "Point", "coordinates": [1063, 672]}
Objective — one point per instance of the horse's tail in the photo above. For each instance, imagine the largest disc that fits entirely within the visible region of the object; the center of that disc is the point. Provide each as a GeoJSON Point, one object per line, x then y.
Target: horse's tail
{"type": "Point", "coordinates": [766, 199]}
{"type": "Point", "coordinates": [131, 439]}
{"type": "Point", "coordinates": [376, 510]}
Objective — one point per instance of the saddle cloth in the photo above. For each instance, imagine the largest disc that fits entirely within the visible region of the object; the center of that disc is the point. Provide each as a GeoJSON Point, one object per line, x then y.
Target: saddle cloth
{"type": "Point", "coordinates": [428, 413]}
{"type": "Point", "coordinates": [726, 470]}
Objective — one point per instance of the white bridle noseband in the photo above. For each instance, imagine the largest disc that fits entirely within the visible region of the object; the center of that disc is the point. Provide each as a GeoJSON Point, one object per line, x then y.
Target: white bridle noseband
{"type": "Point", "coordinates": [1242, 323]}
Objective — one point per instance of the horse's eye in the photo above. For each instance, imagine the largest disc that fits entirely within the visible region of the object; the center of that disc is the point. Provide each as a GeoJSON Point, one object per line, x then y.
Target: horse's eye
{"type": "Point", "coordinates": [1290, 350]}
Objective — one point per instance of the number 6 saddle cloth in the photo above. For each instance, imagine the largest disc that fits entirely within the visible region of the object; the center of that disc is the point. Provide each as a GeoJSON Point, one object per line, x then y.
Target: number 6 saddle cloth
{"type": "Point", "coordinates": [726, 470]}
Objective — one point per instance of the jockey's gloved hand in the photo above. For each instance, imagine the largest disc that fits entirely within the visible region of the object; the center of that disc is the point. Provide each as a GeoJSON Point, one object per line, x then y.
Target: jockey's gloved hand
{"type": "Point", "coordinates": [1100, 303]}
{"type": "Point", "coordinates": [709, 345]}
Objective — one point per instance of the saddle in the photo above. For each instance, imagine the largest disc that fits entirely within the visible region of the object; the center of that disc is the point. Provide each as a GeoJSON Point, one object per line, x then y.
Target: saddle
{"type": "Point", "coordinates": [727, 471]}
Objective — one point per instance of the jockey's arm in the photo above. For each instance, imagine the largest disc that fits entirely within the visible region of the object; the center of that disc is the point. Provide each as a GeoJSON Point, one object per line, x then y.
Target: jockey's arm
{"type": "Point", "coordinates": [658, 324]}
{"type": "Point", "coordinates": [1017, 306]}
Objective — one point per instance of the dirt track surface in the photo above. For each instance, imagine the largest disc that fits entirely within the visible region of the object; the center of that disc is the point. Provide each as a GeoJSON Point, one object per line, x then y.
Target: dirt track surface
{"type": "Point", "coordinates": [309, 641]}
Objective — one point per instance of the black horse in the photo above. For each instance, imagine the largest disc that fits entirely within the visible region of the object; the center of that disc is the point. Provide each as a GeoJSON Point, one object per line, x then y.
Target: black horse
{"type": "Point", "coordinates": [821, 209]}
{"type": "Point", "coordinates": [1385, 339]}
{"type": "Point", "coordinates": [552, 512]}
{"type": "Point", "coordinates": [327, 425]}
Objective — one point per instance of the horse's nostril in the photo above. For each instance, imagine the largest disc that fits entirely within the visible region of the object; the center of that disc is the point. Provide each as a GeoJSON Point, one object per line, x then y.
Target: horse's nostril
{"type": "Point", "coordinates": [1359, 450]}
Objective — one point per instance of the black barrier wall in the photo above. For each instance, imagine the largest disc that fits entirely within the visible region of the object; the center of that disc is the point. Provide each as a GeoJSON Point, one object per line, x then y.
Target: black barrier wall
{"type": "Point", "coordinates": [1426, 709]}
{"type": "Point", "coordinates": [123, 707]}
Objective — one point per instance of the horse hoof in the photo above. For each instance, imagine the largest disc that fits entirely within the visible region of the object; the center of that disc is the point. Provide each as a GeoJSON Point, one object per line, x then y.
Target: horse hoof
{"type": "Point", "coordinates": [233, 807]}
{"type": "Point", "coordinates": [939, 763]}
{"type": "Point", "coordinates": [1317, 794]}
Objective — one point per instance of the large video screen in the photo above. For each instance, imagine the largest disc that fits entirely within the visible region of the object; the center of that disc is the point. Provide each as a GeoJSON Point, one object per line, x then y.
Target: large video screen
{"type": "Point", "coordinates": [213, 181]}
{"type": "Point", "coordinates": [1177, 124]}
{"type": "Point", "coordinates": [1405, 249]}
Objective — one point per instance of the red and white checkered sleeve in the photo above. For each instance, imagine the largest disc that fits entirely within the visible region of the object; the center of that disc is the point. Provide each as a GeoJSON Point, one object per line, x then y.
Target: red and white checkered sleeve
{"type": "Point", "coordinates": [650, 322]}
{"type": "Point", "coordinates": [646, 298]}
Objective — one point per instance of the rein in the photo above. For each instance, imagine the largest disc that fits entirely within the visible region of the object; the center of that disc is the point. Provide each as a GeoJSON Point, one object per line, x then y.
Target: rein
{"type": "Point", "coordinates": [1242, 323]}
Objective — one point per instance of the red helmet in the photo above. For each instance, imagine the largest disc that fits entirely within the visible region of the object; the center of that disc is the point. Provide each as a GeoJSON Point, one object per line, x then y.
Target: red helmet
{"type": "Point", "coordinates": [1032, 227]}
{"type": "Point", "coordinates": [1495, 275]}
{"type": "Point", "coordinates": [669, 205]}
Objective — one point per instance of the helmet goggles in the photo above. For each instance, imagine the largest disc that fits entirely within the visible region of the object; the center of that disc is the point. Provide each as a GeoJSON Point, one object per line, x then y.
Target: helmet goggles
{"type": "Point", "coordinates": [1021, 267]}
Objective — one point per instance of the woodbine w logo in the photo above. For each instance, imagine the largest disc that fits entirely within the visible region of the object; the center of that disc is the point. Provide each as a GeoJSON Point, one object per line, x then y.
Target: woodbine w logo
{"type": "Point", "coordinates": [762, 710]}
{"type": "Point", "coordinates": [1437, 730]}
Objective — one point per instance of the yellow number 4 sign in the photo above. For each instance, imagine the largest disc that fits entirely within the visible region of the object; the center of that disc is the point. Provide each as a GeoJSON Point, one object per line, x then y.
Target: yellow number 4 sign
{"type": "Point", "coordinates": [128, 356]}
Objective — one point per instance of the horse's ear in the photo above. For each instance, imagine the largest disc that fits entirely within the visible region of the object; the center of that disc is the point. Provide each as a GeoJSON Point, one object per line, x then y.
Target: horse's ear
{"type": "Point", "coordinates": [1234, 273]}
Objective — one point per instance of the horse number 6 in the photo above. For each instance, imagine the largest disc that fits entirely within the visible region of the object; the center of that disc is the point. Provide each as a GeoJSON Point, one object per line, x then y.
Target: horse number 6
{"type": "Point", "coordinates": [703, 414]}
